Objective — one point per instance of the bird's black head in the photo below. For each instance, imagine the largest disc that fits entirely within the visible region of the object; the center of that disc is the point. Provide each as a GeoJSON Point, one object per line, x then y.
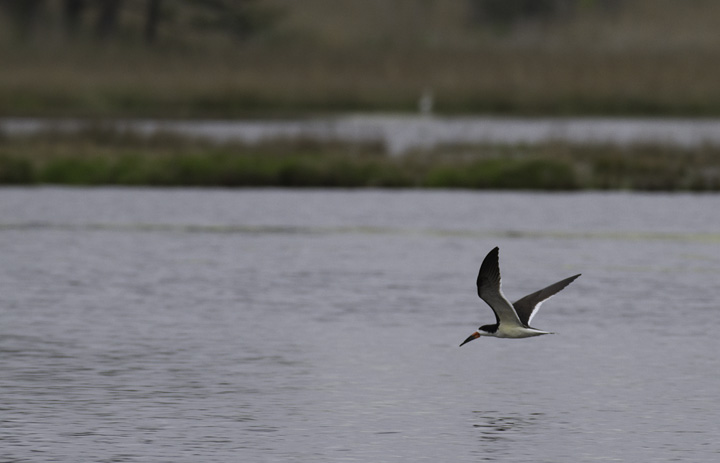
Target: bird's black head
{"type": "Point", "coordinates": [488, 328]}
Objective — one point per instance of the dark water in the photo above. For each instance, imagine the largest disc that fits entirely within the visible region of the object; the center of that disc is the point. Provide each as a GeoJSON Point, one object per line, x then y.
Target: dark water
{"type": "Point", "coordinates": [315, 326]}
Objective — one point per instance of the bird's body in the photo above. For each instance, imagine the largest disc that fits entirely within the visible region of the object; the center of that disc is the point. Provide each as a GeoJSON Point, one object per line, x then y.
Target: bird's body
{"type": "Point", "coordinates": [507, 330]}
{"type": "Point", "coordinates": [512, 320]}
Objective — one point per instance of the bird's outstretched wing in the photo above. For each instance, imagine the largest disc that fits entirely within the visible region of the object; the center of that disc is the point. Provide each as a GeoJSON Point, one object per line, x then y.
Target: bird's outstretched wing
{"type": "Point", "coordinates": [527, 307]}
{"type": "Point", "coordinates": [490, 291]}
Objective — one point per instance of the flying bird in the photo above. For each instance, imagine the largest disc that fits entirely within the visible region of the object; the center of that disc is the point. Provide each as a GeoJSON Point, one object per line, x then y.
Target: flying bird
{"type": "Point", "coordinates": [512, 320]}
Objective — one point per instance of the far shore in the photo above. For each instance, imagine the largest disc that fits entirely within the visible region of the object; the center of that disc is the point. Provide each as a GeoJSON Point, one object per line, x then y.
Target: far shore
{"type": "Point", "coordinates": [402, 133]}
{"type": "Point", "coordinates": [109, 154]}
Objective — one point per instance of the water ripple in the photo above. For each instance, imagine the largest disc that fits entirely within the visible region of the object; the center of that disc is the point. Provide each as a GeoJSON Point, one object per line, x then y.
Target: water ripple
{"type": "Point", "coordinates": [702, 237]}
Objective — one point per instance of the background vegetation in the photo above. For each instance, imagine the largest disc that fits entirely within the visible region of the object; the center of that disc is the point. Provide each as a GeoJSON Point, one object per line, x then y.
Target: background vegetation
{"type": "Point", "coordinates": [249, 58]}
{"type": "Point", "coordinates": [105, 59]}
{"type": "Point", "coordinates": [98, 157]}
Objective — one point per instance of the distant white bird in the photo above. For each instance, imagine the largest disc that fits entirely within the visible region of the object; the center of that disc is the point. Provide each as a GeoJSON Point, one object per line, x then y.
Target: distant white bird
{"type": "Point", "coordinates": [425, 103]}
{"type": "Point", "coordinates": [512, 319]}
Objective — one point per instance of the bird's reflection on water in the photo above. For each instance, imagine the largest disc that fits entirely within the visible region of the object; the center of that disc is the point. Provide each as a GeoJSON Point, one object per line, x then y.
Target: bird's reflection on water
{"type": "Point", "coordinates": [498, 432]}
{"type": "Point", "coordinates": [495, 426]}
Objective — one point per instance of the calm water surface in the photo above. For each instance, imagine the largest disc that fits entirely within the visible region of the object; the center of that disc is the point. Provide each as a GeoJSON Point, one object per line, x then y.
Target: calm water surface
{"type": "Point", "coordinates": [323, 326]}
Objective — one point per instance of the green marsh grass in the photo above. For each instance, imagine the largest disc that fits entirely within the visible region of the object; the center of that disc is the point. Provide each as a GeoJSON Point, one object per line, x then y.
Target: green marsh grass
{"type": "Point", "coordinates": [99, 157]}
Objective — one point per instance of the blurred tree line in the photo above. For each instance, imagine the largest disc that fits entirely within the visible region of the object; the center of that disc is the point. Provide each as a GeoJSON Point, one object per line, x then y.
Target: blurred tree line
{"type": "Point", "coordinates": [142, 20]}
{"type": "Point", "coordinates": [101, 19]}
{"type": "Point", "coordinates": [508, 12]}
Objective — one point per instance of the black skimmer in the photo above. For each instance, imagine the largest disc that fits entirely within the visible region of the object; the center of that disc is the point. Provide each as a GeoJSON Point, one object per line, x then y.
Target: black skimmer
{"type": "Point", "coordinates": [513, 320]}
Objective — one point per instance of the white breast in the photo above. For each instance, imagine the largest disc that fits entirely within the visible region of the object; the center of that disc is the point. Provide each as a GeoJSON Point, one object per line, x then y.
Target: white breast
{"type": "Point", "coordinates": [517, 332]}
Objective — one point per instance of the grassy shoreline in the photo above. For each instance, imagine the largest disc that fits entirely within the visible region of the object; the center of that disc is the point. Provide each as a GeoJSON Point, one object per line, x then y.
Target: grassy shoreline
{"type": "Point", "coordinates": [300, 82]}
{"type": "Point", "coordinates": [97, 158]}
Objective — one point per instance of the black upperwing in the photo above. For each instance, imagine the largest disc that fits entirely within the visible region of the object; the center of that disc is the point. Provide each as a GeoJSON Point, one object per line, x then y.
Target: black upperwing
{"type": "Point", "coordinates": [526, 306]}
{"type": "Point", "coordinates": [489, 289]}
